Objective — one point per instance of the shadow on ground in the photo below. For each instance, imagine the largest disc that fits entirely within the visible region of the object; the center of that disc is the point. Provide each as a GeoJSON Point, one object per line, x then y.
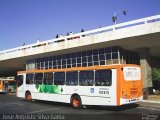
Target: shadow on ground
{"type": "Point", "coordinates": [115, 108]}
{"type": "Point", "coordinates": [107, 108]}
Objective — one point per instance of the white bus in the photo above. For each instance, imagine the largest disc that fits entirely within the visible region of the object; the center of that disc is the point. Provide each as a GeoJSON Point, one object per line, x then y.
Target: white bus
{"type": "Point", "coordinates": [111, 85]}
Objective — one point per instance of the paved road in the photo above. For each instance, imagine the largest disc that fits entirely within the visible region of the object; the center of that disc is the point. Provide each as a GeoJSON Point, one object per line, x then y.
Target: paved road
{"type": "Point", "coordinates": [12, 107]}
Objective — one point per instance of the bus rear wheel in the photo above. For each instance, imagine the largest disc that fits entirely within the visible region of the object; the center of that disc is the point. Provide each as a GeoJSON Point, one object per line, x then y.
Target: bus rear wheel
{"type": "Point", "coordinates": [28, 96]}
{"type": "Point", "coordinates": [76, 102]}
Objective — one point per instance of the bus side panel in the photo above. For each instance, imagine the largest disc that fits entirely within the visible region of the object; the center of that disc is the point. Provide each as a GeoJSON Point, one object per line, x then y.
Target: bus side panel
{"type": "Point", "coordinates": [97, 101]}
{"type": "Point", "coordinates": [90, 95]}
{"type": "Point", "coordinates": [55, 93]}
{"type": "Point", "coordinates": [21, 94]}
{"type": "Point", "coordinates": [100, 95]}
{"type": "Point", "coordinates": [51, 97]}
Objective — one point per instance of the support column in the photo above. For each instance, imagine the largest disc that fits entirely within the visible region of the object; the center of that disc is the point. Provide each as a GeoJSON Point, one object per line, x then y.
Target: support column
{"type": "Point", "coordinates": [145, 61]}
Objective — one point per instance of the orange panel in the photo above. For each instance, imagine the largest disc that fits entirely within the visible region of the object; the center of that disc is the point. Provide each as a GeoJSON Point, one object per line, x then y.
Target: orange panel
{"type": "Point", "coordinates": [1, 85]}
{"type": "Point", "coordinates": [131, 89]}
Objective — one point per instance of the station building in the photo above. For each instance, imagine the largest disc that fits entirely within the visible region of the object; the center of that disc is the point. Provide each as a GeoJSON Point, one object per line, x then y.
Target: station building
{"type": "Point", "coordinates": [133, 42]}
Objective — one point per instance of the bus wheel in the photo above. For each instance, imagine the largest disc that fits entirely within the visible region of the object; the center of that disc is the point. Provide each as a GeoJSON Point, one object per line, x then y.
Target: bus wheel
{"type": "Point", "coordinates": [76, 102]}
{"type": "Point", "coordinates": [28, 96]}
{"type": "Point", "coordinates": [9, 90]}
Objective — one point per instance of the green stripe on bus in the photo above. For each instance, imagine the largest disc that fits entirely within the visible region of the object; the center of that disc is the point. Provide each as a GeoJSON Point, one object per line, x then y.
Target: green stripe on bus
{"type": "Point", "coordinates": [49, 89]}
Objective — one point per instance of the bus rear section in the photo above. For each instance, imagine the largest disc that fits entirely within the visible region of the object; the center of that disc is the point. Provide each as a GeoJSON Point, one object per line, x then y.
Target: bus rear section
{"type": "Point", "coordinates": [131, 85]}
{"type": "Point", "coordinates": [4, 86]}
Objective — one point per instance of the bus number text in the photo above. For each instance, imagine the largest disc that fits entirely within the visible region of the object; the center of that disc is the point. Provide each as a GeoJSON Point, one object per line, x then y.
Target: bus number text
{"type": "Point", "coordinates": [103, 92]}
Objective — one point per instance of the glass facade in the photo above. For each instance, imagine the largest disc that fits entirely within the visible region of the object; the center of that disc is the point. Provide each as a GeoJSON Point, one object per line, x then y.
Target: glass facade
{"type": "Point", "coordinates": [95, 57]}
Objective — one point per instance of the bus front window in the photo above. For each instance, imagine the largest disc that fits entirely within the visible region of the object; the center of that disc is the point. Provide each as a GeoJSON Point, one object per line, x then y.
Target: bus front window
{"type": "Point", "coordinates": [20, 80]}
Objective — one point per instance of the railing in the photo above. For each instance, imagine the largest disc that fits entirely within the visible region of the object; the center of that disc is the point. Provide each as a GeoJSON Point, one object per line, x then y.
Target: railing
{"type": "Point", "coordinates": [87, 33]}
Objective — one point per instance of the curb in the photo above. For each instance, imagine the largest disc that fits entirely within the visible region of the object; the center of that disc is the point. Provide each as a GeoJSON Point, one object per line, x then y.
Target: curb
{"type": "Point", "coordinates": [151, 101]}
{"type": "Point", "coordinates": [151, 104]}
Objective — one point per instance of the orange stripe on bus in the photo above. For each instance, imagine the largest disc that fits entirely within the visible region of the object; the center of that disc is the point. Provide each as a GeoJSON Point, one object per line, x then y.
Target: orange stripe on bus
{"type": "Point", "coordinates": [73, 69]}
{"type": "Point", "coordinates": [1, 86]}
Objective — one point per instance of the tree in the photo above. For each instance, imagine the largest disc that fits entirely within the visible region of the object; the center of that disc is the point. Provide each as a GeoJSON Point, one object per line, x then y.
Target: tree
{"type": "Point", "coordinates": [156, 78]}
{"type": "Point", "coordinates": [156, 74]}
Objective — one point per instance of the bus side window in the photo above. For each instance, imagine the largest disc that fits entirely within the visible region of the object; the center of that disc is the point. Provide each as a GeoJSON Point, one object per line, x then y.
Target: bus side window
{"type": "Point", "coordinates": [48, 78]}
{"type": "Point", "coordinates": [72, 78]}
{"type": "Point", "coordinates": [12, 83]}
{"type": "Point", "coordinates": [59, 78]}
{"type": "Point", "coordinates": [20, 80]}
{"type": "Point", "coordinates": [29, 79]}
{"type": "Point", "coordinates": [86, 78]}
{"type": "Point", "coordinates": [103, 77]}
{"type": "Point", "coordinates": [38, 78]}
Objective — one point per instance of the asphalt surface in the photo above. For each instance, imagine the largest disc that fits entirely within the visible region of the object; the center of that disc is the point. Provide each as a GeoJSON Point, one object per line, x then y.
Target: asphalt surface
{"type": "Point", "coordinates": [13, 108]}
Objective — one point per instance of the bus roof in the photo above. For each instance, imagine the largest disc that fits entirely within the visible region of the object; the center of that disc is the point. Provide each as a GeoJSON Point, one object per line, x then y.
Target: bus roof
{"type": "Point", "coordinates": [78, 68]}
{"type": "Point", "coordinates": [7, 78]}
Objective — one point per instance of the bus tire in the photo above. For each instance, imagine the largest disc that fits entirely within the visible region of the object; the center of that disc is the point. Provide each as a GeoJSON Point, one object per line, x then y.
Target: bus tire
{"type": "Point", "coordinates": [76, 102]}
{"type": "Point", "coordinates": [28, 96]}
{"type": "Point", "coordinates": [9, 90]}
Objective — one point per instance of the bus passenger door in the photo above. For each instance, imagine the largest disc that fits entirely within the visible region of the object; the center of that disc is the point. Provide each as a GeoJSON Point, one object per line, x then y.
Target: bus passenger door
{"type": "Point", "coordinates": [20, 87]}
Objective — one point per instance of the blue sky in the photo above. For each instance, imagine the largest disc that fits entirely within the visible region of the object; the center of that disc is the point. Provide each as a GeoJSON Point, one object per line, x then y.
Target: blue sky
{"type": "Point", "coordinates": [25, 21]}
